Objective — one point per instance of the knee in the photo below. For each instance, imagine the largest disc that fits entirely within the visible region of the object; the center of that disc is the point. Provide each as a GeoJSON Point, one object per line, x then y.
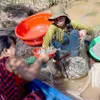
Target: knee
{"type": "Point", "coordinates": [74, 33]}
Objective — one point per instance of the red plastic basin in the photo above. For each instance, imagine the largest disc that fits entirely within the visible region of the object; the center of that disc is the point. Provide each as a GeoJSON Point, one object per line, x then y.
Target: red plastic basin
{"type": "Point", "coordinates": [34, 42]}
{"type": "Point", "coordinates": [33, 27]}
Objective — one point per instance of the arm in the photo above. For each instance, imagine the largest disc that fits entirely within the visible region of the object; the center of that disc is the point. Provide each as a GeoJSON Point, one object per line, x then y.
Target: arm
{"type": "Point", "coordinates": [80, 26]}
{"type": "Point", "coordinates": [48, 37]}
{"type": "Point", "coordinates": [1, 97]}
{"type": "Point", "coordinates": [20, 68]}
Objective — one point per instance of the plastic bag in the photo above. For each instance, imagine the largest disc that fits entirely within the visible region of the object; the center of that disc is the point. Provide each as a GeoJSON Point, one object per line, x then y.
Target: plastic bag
{"type": "Point", "coordinates": [95, 75]}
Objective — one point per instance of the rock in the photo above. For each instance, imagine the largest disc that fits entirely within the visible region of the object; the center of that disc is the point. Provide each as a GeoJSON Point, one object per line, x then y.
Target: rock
{"type": "Point", "coordinates": [19, 11]}
{"type": "Point", "coordinates": [40, 5]}
{"type": "Point", "coordinates": [5, 21]}
{"type": "Point", "coordinates": [8, 23]}
{"type": "Point", "coordinates": [13, 14]}
{"type": "Point", "coordinates": [63, 2]}
{"type": "Point", "coordinates": [3, 16]}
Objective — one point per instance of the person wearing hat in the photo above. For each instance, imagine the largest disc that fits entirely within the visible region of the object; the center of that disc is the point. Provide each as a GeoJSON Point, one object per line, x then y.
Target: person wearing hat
{"type": "Point", "coordinates": [61, 34]}
{"type": "Point", "coordinates": [66, 40]}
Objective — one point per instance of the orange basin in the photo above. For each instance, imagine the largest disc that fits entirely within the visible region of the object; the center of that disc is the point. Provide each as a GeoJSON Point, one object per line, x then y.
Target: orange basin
{"type": "Point", "coordinates": [33, 27]}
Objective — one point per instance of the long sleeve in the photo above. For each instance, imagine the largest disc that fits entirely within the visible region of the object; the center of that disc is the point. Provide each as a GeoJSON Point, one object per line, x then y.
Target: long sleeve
{"type": "Point", "coordinates": [80, 26]}
{"type": "Point", "coordinates": [48, 37]}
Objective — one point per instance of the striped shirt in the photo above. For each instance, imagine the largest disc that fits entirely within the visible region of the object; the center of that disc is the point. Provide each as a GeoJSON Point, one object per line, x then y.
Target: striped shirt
{"type": "Point", "coordinates": [12, 87]}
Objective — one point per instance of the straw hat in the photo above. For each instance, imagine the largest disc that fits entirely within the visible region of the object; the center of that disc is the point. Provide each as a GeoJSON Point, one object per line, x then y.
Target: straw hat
{"type": "Point", "coordinates": [57, 11]}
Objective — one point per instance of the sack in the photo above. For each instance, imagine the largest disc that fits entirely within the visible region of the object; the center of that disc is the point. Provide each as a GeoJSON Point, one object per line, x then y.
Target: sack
{"type": "Point", "coordinates": [77, 68]}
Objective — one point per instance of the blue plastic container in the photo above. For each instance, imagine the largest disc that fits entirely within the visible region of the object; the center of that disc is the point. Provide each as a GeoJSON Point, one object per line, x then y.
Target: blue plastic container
{"type": "Point", "coordinates": [50, 93]}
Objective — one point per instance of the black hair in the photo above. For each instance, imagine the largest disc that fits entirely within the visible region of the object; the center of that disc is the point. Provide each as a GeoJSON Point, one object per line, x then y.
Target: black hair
{"type": "Point", "coordinates": [69, 27]}
{"type": "Point", "coordinates": [13, 39]}
{"type": "Point", "coordinates": [68, 21]}
{"type": "Point", "coordinates": [5, 42]}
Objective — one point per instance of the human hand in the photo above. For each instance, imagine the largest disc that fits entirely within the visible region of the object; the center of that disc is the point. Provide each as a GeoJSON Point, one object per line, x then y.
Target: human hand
{"type": "Point", "coordinates": [82, 34]}
{"type": "Point", "coordinates": [44, 58]}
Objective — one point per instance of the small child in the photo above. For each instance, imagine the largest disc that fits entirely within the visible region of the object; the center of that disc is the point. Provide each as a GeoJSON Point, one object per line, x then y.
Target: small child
{"type": "Point", "coordinates": [15, 73]}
